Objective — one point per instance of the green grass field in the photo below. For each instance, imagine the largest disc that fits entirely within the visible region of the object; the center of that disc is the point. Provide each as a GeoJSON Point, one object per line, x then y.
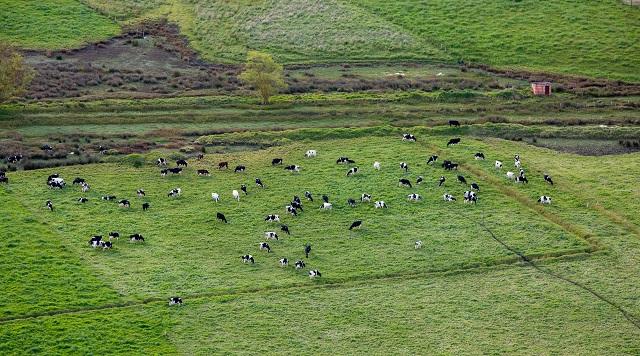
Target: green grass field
{"type": "Point", "coordinates": [462, 292]}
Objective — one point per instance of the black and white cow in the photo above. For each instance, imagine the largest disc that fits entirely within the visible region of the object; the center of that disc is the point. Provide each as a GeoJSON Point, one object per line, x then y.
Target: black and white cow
{"type": "Point", "coordinates": [326, 206]}
{"type": "Point", "coordinates": [276, 161]}
{"type": "Point", "coordinates": [300, 264]}
{"type": "Point", "coordinates": [522, 179]}
{"type": "Point", "coordinates": [453, 141]}
{"type": "Point", "coordinates": [475, 186]}
{"type": "Point", "coordinates": [405, 166]}
{"type": "Point", "coordinates": [352, 171]}
{"type": "Point", "coordinates": [365, 197]}
{"type": "Point", "coordinates": [441, 181]}
{"type": "Point", "coordinates": [164, 172]}
{"type": "Point", "coordinates": [345, 160]}
{"type": "Point", "coordinates": [221, 217]}
{"type": "Point", "coordinates": [243, 187]}
{"type": "Point", "coordinates": [325, 198]}
{"type": "Point", "coordinates": [448, 197]}
{"type": "Point", "coordinates": [292, 168]}
{"type": "Point", "coordinates": [432, 159]}
{"type": "Point", "coordinates": [403, 182]}
{"type": "Point", "coordinates": [479, 156]}
{"type": "Point", "coordinates": [296, 204]}
{"type": "Point", "coordinates": [355, 225]}
{"type": "Point", "coordinates": [291, 210]}
{"type": "Point", "coordinates": [265, 246]}
{"type": "Point", "coordinates": [240, 169]}
{"type": "Point", "coordinates": [351, 202]}
{"type": "Point", "coordinates": [314, 273]}
{"type": "Point", "coordinates": [284, 262]}
{"type": "Point", "coordinates": [259, 183]}
{"type": "Point", "coordinates": [380, 204]}
{"type": "Point", "coordinates": [161, 162]}
{"type": "Point", "coordinates": [461, 179]}
{"type": "Point", "coordinates": [223, 165]}
{"type": "Point", "coordinates": [285, 229]}
{"type": "Point", "coordinates": [419, 180]}
{"type": "Point", "coordinates": [175, 301]}
{"type": "Point", "coordinates": [114, 235]}
{"type": "Point", "coordinates": [181, 162]}
{"type": "Point", "coordinates": [408, 137]}
{"type": "Point", "coordinates": [136, 238]}
{"type": "Point", "coordinates": [109, 197]}
{"type": "Point", "coordinates": [547, 178]}
{"type": "Point", "coordinates": [124, 203]}
{"type": "Point", "coordinates": [272, 218]}
{"type": "Point", "coordinates": [418, 244]}
{"type": "Point", "coordinates": [203, 172]}
{"type": "Point", "coordinates": [544, 199]}
{"type": "Point", "coordinates": [414, 197]}
{"type": "Point", "coordinates": [470, 197]}
{"type": "Point", "coordinates": [82, 200]}
{"type": "Point", "coordinates": [311, 153]}
{"type": "Point", "coordinates": [176, 170]}
{"type": "Point", "coordinates": [247, 259]}
{"type": "Point", "coordinates": [308, 195]}
{"type": "Point", "coordinates": [140, 193]}
{"type": "Point", "coordinates": [106, 245]}
{"type": "Point", "coordinates": [145, 206]}
{"type": "Point", "coordinates": [174, 193]}
{"type": "Point", "coordinates": [95, 241]}
{"type": "Point", "coordinates": [78, 180]}
{"type": "Point", "coordinates": [85, 187]}
{"type": "Point", "coordinates": [49, 205]}
{"type": "Point", "coordinates": [498, 164]}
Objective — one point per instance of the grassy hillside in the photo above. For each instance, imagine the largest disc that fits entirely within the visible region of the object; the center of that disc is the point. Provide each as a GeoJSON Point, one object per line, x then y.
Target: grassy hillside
{"type": "Point", "coordinates": [377, 292]}
{"type": "Point", "coordinates": [593, 38]}
{"type": "Point", "coordinates": [52, 24]}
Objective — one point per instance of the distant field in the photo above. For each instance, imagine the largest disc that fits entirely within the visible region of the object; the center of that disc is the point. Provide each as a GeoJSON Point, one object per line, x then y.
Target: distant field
{"type": "Point", "coordinates": [52, 24]}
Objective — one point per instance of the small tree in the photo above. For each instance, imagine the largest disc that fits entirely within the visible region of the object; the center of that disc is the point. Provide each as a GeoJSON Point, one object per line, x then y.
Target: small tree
{"type": "Point", "coordinates": [15, 75]}
{"type": "Point", "coordinates": [264, 74]}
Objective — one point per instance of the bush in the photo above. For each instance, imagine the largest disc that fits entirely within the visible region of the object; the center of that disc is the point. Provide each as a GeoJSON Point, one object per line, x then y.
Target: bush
{"type": "Point", "coordinates": [135, 160]}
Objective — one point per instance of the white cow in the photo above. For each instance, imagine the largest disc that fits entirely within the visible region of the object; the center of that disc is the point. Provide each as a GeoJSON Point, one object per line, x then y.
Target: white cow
{"type": "Point", "coordinates": [311, 153]}
{"type": "Point", "coordinates": [215, 197]}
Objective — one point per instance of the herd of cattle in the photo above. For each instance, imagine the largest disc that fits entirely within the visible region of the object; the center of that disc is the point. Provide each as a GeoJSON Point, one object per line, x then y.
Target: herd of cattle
{"type": "Point", "coordinates": [55, 181]}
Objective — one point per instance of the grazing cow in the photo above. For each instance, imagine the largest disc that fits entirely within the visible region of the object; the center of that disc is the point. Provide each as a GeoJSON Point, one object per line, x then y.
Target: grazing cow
{"type": "Point", "coordinates": [50, 177]}
{"type": "Point", "coordinates": [124, 203]}
{"type": "Point", "coordinates": [276, 161]}
{"type": "Point", "coordinates": [296, 199]}
{"type": "Point", "coordinates": [265, 246]}
{"type": "Point", "coordinates": [136, 238]}
{"type": "Point", "coordinates": [307, 250]}
{"type": "Point", "coordinates": [414, 197]}
{"type": "Point", "coordinates": [291, 210]}
{"type": "Point", "coordinates": [181, 162]}
{"type": "Point", "coordinates": [175, 301]}
{"type": "Point", "coordinates": [516, 157]}
{"type": "Point", "coordinates": [215, 197]}
{"type": "Point", "coordinates": [175, 192]}
{"type": "Point", "coordinates": [221, 217]}
{"type": "Point", "coordinates": [95, 241]}
{"type": "Point", "coordinates": [365, 197]}
{"type": "Point", "coordinates": [311, 153]}
{"type": "Point", "coordinates": [85, 187]}
{"type": "Point", "coordinates": [355, 225]}
{"type": "Point", "coordinates": [522, 179]}
{"type": "Point", "coordinates": [351, 202]}
{"type": "Point", "coordinates": [244, 189]}
{"type": "Point", "coordinates": [547, 178]}
{"type": "Point", "coordinates": [432, 159]}
{"type": "Point", "coordinates": [454, 123]}
{"type": "Point", "coordinates": [511, 175]}
{"type": "Point", "coordinates": [314, 273]}
{"type": "Point", "coordinates": [140, 193]}
{"type": "Point", "coordinates": [106, 245]}
{"type": "Point", "coordinates": [517, 164]}
{"type": "Point", "coordinates": [498, 164]}
{"type": "Point", "coordinates": [78, 180]}
{"type": "Point", "coordinates": [479, 156]}
{"type": "Point", "coordinates": [292, 168]}
{"type": "Point", "coordinates": [419, 180]}
{"type": "Point", "coordinates": [296, 204]}
{"type": "Point", "coordinates": [272, 218]}
{"type": "Point", "coordinates": [376, 165]}
{"type": "Point", "coordinates": [284, 262]}
{"type": "Point", "coordinates": [408, 137]}
{"type": "Point", "coordinates": [325, 198]}
{"type": "Point", "coordinates": [109, 197]}
{"type": "Point", "coordinates": [470, 197]}
{"type": "Point", "coordinates": [239, 169]}
{"type": "Point", "coordinates": [200, 156]}
{"type": "Point", "coordinates": [145, 206]}
{"type": "Point", "coordinates": [161, 162]}
{"type": "Point", "coordinates": [259, 183]}
{"type": "Point", "coordinates": [352, 171]}
{"type": "Point", "coordinates": [4, 179]}
{"type": "Point", "coordinates": [403, 182]}
{"type": "Point", "coordinates": [544, 199]}
{"type": "Point", "coordinates": [405, 166]}
{"type": "Point", "coordinates": [223, 165]}
{"type": "Point", "coordinates": [308, 195]}
{"type": "Point", "coordinates": [114, 235]}
{"type": "Point", "coordinates": [176, 170]}
{"type": "Point", "coordinates": [418, 244]}
{"type": "Point", "coordinates": [380, 204]}
{"type": "Point", "coordinates": [475, 186]}
{"type": "Point", "coordinates": [203, 172]}
{"type": "Point", "coordinates": [345, 160]}
{"type": "Point", "coordinates": [299, 264]}
{"type": "Point", "coordinates": [441, 181]}
{"type": "Point", "coordinates": [271, 235]}
{"type": "Point", "coordinates": [326, 206]}
{"type": "Point", "coordinates": [56, 183]}
{"type": "Point", "coordinates": [285, 228]}
{"type": "Point", "coordinates": [247, 259]}
{"type": "Point", "coordinates": [164, 172]}
{"type": "Point", "coordinates": [461, 179]}
{"type": "Point", "coordinates": [449, 166]}
{"type": "Point", "coordinates": [236, 195]}
{"type": "Point", "coordinates": [448, 197]}
{"type": "Point", "coordinates": [453, 141]}
{"type": "Point", "coordinates": [83, 200]}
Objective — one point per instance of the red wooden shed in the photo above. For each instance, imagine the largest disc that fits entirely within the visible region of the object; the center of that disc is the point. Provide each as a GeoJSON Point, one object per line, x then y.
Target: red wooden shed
{"type": "Point", "coordinates": [541, 88]}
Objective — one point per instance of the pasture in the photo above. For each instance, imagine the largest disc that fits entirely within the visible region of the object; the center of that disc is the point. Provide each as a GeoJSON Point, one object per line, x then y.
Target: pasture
{"type": "Point", "coordinates": [367, 273]}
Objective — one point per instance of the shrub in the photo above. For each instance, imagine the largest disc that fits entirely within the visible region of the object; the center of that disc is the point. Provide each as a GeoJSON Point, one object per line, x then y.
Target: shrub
{"type": "Point", "coordinates": [135, 160]}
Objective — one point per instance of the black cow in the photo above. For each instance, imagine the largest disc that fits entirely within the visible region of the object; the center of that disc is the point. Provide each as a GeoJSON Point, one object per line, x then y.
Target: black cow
{"type": "Point", "coordinates": [461, 179]}
{"type": "Point", "coordinates": [453, 141]}
{"type": "Point", "coordinates": [276, 161]}
{"type": "Point", "coordinates": [4, 179]}
{"type": "Point", "coordinates": [285, 228]}
{"type": "Point", "coordinates": [240, 169]}
{"type": "Point", "coordinates": [432, 159]}
{"type": "Point", "coordinates": [200, 156]}
{"type": "Point", "coordinates": [454, 123]}
{"type": "Point", "coordinates": [307, 250]}
{"type": "Point", "coordinates": [441, 181]}
{"type": "Point", "coordinates": [181, 162]}
{"type": "Point", "coordinates": [221, 217]}
{"type": "Point", "coordinates": [351, 202]}
{"type": "Point", "coordinates": [475, 186]}
{"type": "Point", "coordinates": [356, 224]}
{"type": "Point", "coordinates": [114, 235]}
{"type": "Point", "coordinates": [203, 172]}
{"type": "Point", "coordinates": [145, 206]}
{"type": "Point", "coordinates": [176, 170]}
{"type": "Point", "coordinates": [404, 183]}
{"type": "Point", "coordinates": [325, 198]}
{"type": "Point", "coordinates": [223, 165]}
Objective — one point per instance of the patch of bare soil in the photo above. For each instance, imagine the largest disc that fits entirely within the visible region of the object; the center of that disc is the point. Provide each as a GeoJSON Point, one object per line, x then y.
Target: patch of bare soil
{"type": "Point", "coordinates": [587, 147]}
